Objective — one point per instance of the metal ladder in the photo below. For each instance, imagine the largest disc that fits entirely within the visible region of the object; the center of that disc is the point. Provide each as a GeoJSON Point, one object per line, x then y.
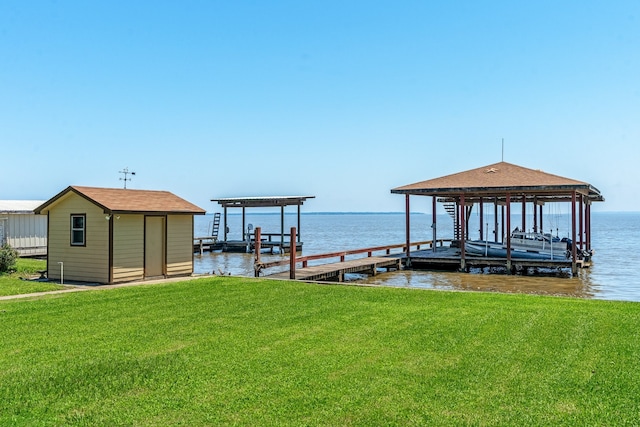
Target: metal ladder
{"type": "Point", "coordinates": [216, 226]}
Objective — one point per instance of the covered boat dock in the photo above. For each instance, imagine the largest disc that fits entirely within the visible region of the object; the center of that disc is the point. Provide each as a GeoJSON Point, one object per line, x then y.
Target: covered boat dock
{"type": "Point", "coordinates": [247, 244]}
{"type": "Point", "coordinates": [502, 186]}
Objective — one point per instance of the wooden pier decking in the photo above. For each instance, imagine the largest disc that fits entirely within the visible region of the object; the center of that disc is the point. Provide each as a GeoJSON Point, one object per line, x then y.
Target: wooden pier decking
{"type": "Point", "coordinates": [365, 262]}
{"type": "Point", "coordinates": [206, 243]}
{"type": "Point", "coordinates": [336, 271]}
{"type": "Point", "coordinates": [444, 257]}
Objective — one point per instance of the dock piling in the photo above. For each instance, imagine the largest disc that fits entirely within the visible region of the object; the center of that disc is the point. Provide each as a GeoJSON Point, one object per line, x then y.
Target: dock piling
{"type": "Point", "coordinates": [292, 256]}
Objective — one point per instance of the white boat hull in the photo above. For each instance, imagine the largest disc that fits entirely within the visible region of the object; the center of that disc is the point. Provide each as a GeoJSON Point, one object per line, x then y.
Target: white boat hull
{"type": "Point", "coordinates": [498, 250]}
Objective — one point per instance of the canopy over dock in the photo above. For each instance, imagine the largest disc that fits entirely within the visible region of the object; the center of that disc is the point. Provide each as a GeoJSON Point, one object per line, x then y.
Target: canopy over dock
{"type": "Point", "coordinates": [504, 184]}
{"type": "Point", "coordinates": [263, 202]}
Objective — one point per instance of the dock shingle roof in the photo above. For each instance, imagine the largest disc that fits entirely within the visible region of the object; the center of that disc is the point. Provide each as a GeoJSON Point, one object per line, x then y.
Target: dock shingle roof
{"type": "Point", "coordinates": [499, 178]}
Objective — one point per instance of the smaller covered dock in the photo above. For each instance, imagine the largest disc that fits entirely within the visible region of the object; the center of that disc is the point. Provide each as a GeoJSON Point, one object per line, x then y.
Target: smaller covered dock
{"type": "Point", "coordinates": [269, 240]}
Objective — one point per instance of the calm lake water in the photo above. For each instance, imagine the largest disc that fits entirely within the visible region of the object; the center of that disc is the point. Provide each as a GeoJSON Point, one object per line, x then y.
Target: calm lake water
{"type": "Point", "coordinates": [614, 274]}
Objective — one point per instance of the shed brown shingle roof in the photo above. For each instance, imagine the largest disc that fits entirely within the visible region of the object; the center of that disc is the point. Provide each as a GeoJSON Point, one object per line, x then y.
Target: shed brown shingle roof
{"type": "Point", "coordinates": [499, 178]}
{"type": "Point", "coordinates": [118, 200]}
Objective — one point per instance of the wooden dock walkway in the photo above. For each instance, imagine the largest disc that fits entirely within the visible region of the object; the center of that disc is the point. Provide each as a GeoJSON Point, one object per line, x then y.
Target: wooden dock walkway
{"type": "Point", "coordinates": [364, 262]}
{"type": "Point", "coordinates": [437, 256]}
{"type": "Point", "coordinates": [205, 243]}
{"type": "Point", "coordinates": [443, 258]}
{"type": "Point", "coordinates": [335, 271]}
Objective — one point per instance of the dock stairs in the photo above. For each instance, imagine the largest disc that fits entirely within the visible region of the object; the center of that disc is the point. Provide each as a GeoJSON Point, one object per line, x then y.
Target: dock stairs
{"type": "Point", "coordinates": [450, 207]}
{"type": "Point", "coordinates": [215, 227]}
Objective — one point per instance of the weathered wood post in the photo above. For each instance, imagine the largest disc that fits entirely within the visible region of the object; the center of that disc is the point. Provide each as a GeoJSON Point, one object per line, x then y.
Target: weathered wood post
{"type": "Point", "coordinates": [433, 223]}
{"type": "Point", "coordinates": [256, 257]}
{"type": "Point", "coordinates": [463, 218]}
{"type": "Point", "coordinates": [581, 221]}
{"type": "Point", "coordinates": [588, 224]}
{"type": "Point", "coordinates": [495, 220]}
{"type": "Point", "coordinates": [407, 225]}
{"type": "Point", "coordinates": [292, 255]}
{"type": "Point", "coordinates": [481, 208]}
{"type": "Point", "coordinates": [574, 249]}
{"type": "Point", "coordinates": [508, 206]}
{"type": "Point", "coordinates": [257, 244]}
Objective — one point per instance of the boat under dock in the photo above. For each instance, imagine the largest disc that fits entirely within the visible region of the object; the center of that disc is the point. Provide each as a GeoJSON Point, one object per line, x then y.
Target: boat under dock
{"type": "Point", "coordinates": [450, 258]}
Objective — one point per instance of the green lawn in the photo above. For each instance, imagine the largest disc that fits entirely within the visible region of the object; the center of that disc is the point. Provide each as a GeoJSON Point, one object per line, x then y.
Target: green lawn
{"type": "Point", "coordinates": [16, 283]}
{"type": "Point", "coordinates": [237, 351]}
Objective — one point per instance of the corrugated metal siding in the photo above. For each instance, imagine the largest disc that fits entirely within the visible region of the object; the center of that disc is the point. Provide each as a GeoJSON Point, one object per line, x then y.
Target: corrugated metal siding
{"type": "Point", "coordinates": [128, 248]}
{"type": "Point", "coordinates": [179, 245]}
{"type": "Point", "coordinates": [27, 233]}
{"type": "Point", "coordinates": [88, 263]}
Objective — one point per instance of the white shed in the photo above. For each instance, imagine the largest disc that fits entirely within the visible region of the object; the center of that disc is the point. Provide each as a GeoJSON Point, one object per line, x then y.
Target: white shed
{"type": "Point", "coordinates": [21, 228]}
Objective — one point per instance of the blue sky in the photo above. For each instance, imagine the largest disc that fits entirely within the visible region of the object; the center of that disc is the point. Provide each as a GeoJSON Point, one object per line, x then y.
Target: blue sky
{"type": "Point", "coordinates": [339, 100]}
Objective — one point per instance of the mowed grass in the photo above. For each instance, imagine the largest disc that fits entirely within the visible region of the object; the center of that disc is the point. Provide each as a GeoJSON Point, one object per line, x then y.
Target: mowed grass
{"type": "Point", "coordinates": [17, 282]}
{"type": "Point", "coordinates": [236, 351]}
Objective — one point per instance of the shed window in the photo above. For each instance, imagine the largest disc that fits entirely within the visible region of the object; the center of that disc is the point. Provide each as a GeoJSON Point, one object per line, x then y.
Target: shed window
{"type": "Point", "coordinates": [78, 229]}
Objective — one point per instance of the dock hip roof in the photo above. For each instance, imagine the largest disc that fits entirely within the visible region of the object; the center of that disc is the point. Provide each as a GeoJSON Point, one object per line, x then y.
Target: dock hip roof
{"type": "Point", "coordinates": [118, 200]}
{"type": "Point", "coordinates": [499, 179]}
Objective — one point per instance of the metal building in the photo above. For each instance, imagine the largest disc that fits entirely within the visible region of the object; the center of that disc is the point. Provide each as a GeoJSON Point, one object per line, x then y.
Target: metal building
{"type": "Point", "coordinates": [22, 229]}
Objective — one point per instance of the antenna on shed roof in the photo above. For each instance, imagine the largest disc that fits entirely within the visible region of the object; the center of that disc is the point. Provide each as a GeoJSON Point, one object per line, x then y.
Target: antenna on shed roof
{"type": "Point", "coordinates": [126, 172]}
{"type": "Point", "coordinates": [503, 149]}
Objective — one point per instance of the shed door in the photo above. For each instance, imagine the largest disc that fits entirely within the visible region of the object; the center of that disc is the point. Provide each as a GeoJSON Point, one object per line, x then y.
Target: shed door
{"type": "Point", "coordinates": [2, 241]}
{"type": "Point", "coordinates": [154, 246]}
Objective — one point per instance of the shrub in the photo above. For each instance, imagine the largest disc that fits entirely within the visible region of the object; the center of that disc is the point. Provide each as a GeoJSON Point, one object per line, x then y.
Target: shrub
{"type": "Point", "coordinates": [8, 257]}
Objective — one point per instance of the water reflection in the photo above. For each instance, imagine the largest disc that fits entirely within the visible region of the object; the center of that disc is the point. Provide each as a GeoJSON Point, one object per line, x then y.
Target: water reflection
{"type": "Point", "coordinates": [230, 263]}
{"type": "Point", "coordinates": [478, 281]}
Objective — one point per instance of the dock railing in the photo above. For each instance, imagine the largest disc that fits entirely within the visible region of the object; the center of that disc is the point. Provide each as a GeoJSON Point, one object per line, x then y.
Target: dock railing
{"type": "Point", "coordinates": [270, 236]}
{"type": "Point", "coordinates": [294, 260]}
{"type": "Point", "coordinates": [267, 240]}
{"type": "Point", "coordinates": [200, 243]}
